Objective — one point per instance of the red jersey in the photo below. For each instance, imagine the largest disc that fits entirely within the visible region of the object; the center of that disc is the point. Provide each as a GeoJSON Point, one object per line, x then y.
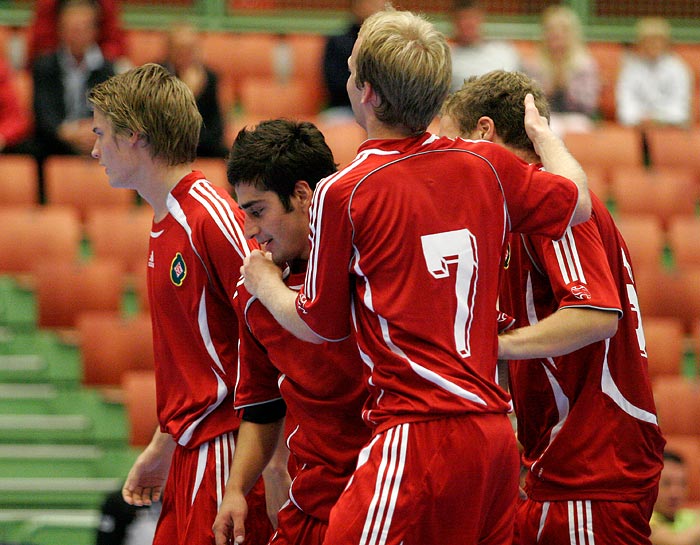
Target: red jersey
{"type": "Point", "coordinates": [586, 420]}
{"type": "Point", "coordinates": [195, 256]}
{"type": "Point", "coordinates": [409, 236]}
{"type": "Point", "coordinates": [323, 388]}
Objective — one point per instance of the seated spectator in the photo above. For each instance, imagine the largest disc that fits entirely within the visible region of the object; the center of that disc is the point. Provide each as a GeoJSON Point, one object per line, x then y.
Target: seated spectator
{"type": "Point", "coordinates": [61, 79]}
{"type": "Point", "coordinates": [672, 523]}
{"type": "Point", "coordinates": [15, 122]}
{"type": "Point", "coordinates": [472, 55]}
{"type": "Point", "coordinates": [43, 35]}
{"type": "Point", "coordinates": [567, 71]}
{"type": "Point", "coordinates": [655, 85]}
{"type": "Point", "coordinates": [184, 59]}
{"type": "Point", "coordinates": [336, 54]}
{"type": "Point", "coordinates": [124, 524]}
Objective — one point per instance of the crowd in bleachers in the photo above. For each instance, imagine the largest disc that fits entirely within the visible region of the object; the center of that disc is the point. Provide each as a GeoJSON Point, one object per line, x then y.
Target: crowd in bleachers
{"type": "Point", "coordinates": [83, 250]}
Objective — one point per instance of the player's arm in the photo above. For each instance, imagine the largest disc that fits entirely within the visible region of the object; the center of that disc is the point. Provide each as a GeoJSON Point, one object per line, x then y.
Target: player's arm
{"type": "Point", "coordinates": [560, 333]}
{"type": "Point", "coordinates": [556, 158]}
{"type": "Point", "coordinates": [256, 443]}
{"type": "Point", "coordinates": [277, 479]}
{"type": "Point", "coordinates": [264, 280]}
{"type": "Point", "coordinates": [147, 476]}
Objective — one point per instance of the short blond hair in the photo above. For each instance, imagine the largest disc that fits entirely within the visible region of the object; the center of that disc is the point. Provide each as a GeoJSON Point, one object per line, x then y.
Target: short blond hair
{"type": "Point", "coordinates": [150, 101]}
{"type": "Point", "coordinates": [407, 62]}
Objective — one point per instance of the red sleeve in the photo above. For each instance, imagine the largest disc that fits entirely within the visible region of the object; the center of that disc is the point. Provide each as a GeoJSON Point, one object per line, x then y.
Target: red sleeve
{"type": "Point", "coordinates": [43, 35]}
{"type": "Point", "coordinates": [578, 269]}
{"type": "Point", "coordinates": [14, 121]}
{"type": "Point", "coordinates": [257, 377]}
{"type": "Point", "coordinates": [112, 38]}
{"type": "Point", "coordinates": [537, 201]}
{"type": "Point", "coordinates": [324, 302]}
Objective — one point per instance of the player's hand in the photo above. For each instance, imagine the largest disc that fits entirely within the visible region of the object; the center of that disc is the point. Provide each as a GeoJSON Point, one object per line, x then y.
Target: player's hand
{"type": "Point", "coordinates": [536, 125]}
{"type": "Point", "coordinates": [258, 268]}
{"type": "Point", "coordinates": [229, 525]}
{"type": "Point", "coordinates": [145, 482]}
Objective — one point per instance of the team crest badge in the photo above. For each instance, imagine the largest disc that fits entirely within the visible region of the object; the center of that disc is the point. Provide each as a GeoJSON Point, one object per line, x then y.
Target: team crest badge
{"type": "Point", "coordinates": [178, 270]}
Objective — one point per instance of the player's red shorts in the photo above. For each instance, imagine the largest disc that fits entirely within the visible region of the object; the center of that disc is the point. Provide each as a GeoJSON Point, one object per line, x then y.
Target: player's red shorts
{"type": "Point", "coordinates": [193, 494]}
{"type": "Point", "coordinates": [585, 522]}
{"type": "Point", "coordinates": [294, 527]}
{"type": "Point", "coordinates": [452, 481]}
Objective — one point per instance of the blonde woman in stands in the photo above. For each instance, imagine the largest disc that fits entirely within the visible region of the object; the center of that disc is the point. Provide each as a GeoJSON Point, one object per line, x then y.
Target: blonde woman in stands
{"type": "Point", "coordinates": [567, 71]}
{"type": "Point", "coordinates": [655, 85]}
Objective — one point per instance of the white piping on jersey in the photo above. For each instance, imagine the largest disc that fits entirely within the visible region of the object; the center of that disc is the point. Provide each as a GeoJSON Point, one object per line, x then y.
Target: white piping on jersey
{"type": "Point", "coordinates": [217, 468]}
{"type": "Point", "coordinates": [203, 323]}
{"type": "Point", "coordinates": [626, 263]}
{"type": "Point", "coordinates": [155, 234]}
{"type": "Point", "coordinates": [543, 519]}
{"type": "Point", "coordinates": [568, 258]}
{"type": "Point", "coordinates": [609, 388]}
{"type": "Point", "coordinates": [221, 212]}
{"type": "Point", "coordinates": [201, 466]}
{"type": "Point", "coordinates": [425, 373]}
{"type": "Point", "coordinates": [289, 437]}
{"type": "Point", "coordinates": [221, 393]}
{"type": "Point", "coordinates": [562, 404]}
{"type": "Point", "coordinates": [291, 486]}
{"type": "Point", "coordinates": [389, 474]}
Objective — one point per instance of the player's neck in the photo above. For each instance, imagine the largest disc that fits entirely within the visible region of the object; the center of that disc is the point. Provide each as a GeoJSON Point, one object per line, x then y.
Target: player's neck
{"type": "Point", "coordinates": [161, 180]}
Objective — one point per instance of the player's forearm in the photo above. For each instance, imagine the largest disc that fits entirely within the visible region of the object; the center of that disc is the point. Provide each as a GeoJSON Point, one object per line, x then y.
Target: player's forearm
{"type": "Point", "coordinates": [255, 447]}
{"type": "Point", "coordinates": [557, 159]}
{"type": "Point", "coordinates": [563, 332]}
{"type": "Point", "coordinates": [281, 302]}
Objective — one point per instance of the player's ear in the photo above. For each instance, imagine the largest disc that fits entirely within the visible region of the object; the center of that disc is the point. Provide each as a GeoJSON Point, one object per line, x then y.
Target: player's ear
{"type": "Point", "coordinates": [303, 192]}
{"type": "Point", "coordinates": [486, 128]}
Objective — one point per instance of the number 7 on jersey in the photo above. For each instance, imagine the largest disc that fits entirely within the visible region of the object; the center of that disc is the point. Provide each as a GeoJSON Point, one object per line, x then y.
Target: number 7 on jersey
{"type": "Point", "coordinates": [441, 250]}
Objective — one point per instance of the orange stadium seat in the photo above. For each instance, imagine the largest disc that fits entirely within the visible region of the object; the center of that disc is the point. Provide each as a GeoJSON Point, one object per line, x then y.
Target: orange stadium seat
{"type": "Point", "coordinates": [608, 55]}
{"type": "Point", "coordinates": [145, 45]}
{"type": "Point", "coordinates": [662, 191]}
{"type": "Point", "coordinates": [82, 183]}
{"type": "Point", "coordinates": [665, 345]}
{"type": "Point", "coordinates": [111, 344]}
{"type": "Point", "coordinates": [34, 233]}
{"type": "Point", "coordinates": [608, 146]}
{"type": "Point", "coordinates": [644, 236]}
{"type": "Point", "coordinates": [19, 180]}
{"type": "Point", "coordinates": [139, 389]}
{"type": "Point", "coordinates": [343, 138]}
{"type": "Point", "coordinates": [683, 232]}
{"type": "Point", "coordinates": [121, 234]}
{"type": "Point", "coordinates": [678, 404]}
{"type": "Point", "coordinates": [65, 289]}
{"type": "Point", "coordinates": [671, 147]}
{"type": "Point", "coordinates": [266, 98]}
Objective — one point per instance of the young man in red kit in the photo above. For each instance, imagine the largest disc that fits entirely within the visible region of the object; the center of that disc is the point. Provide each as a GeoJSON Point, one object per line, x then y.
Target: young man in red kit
{"type": "Point", "coordinates": [147, 126]}
{"type": "Point", "coordinates": [274, 169]}
{"type": "Point", "coordinates": [406, 246]}
{"type": "Point", "coordinates": [578, 371]}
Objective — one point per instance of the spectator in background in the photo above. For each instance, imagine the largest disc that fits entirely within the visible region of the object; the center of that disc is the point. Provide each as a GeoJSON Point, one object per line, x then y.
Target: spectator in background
{"type": "Point", "coordinates": [336, 54]}
{"type": "Point", "coordinates": [567, 71]}
{"type": "Point", "coordinates": [184, 60]}
{"type": "Point", "coordinates": [655, 84]}
{"type": "Point", "coordinates": [672, 523]}
{"type": "Point", "coordinates": [43, 33]}
{"type": "Point", "coordinates": [124, 524]}
{"type": "Point", "coordinates": [61, 80]}
{"type": "Point", "coordinates": [472, 55]}
{"type": "Point", "coordinates": [15, 121]}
